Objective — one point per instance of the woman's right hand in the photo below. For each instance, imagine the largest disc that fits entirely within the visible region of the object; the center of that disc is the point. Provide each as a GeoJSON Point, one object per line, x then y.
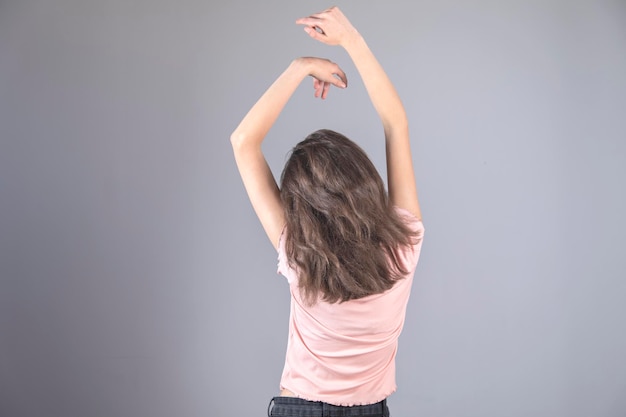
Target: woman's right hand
{"type": "Point", "coordinates": [333, 28]}
{"type": "Point", "coordinates": [330, 27]}
{"type": "Point", "coordinates": [325, 73]}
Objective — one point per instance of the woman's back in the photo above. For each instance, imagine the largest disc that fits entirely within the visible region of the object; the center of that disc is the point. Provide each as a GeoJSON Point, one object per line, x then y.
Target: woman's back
{"type": "Point", "coordinates": [343, 353]}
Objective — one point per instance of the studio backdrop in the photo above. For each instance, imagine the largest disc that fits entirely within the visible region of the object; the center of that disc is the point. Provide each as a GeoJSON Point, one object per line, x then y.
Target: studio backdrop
{"type": "Point", "coordinates": [135, 279]}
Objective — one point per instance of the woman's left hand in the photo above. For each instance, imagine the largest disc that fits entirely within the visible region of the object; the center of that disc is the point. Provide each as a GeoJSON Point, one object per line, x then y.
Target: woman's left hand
{"type": "Point", "coordinates": [325, 73]}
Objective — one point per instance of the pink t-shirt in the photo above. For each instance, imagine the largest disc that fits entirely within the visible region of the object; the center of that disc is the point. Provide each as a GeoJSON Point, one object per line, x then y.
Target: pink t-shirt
{"type": "Point", "coordinates": [344, 353]}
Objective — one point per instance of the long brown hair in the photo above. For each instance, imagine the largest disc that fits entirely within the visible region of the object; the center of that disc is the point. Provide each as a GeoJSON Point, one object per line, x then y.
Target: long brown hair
{"type": "Point", "coordinates": [341, 233]}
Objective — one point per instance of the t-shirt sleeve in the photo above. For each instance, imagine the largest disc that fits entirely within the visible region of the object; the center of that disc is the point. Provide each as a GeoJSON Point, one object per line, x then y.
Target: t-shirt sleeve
{"type": "Point", "coordinates": [411, 254]}
{"type": "Point", "coordinates": [283, 264]}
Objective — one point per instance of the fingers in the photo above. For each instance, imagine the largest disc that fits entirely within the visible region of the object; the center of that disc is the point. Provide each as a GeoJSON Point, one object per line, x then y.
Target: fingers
{"type": "Point", "coordinates": [308, 21]}
{"type": "Point", "coordinates": [329, 27]}
{"type": "Point", "coordinates": [317, 19]}
{"type": "Point", "coordinates": [314, 33]}
{"type": "Point", "coordinates": [318, 86]}
{"type": "Point", "coordinates": [318, 16]}
{"type": "Point", "coordinates": [325, 74]}
{"type": "Point", "coordinates": [321, 88]}
{"type": "Point", "coordinates": [311, 24]}
{"type": "Point", "coordinates": [342, 81]}
{"type": "Point", "coordinates": [339, 78]}
{"type": "Point", "coordinates": [325, 90]}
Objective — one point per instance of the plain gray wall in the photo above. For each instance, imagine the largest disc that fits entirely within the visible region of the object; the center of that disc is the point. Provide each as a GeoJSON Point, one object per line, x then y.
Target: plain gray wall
{"type": "Point", "coordinates": [136, 280]}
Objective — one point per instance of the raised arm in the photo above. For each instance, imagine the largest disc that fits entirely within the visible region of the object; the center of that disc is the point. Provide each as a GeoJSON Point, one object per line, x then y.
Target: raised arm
{"type": "Point", "coordinates": [248, 136]}
{"type": "Point", "coordinates": [333, 28]}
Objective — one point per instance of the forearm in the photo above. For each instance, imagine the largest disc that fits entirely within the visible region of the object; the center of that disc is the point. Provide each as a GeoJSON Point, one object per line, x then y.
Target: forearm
{"type": "Point", "coordinates": [381, 91]}
{"type": "Point", "coordinates": [386, 101]}
{"type": "Point", "coordinates": [255, 125]}
{"type": "Point", "coordinates": [333, 28]}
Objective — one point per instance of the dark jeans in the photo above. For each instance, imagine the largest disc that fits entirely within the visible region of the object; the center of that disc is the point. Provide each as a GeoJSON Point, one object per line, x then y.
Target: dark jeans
{"type": "Point", "coordinates": [296, 407]}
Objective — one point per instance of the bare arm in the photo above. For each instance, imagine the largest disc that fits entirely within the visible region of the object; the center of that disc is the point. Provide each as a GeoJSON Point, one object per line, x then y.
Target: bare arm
{"type": "Point", "coordinates": [335, 29]}
{"type": "Point", "coordinates": [248, 136]}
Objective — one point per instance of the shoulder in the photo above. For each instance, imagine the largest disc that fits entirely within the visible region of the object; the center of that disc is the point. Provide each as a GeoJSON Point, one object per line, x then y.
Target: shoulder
{"type": "Point", "coordinates": [410, 254]}
{"type": "Point", "coordinates": [284, 268]}
{"type": "Point", "coordinates": [412, 221]}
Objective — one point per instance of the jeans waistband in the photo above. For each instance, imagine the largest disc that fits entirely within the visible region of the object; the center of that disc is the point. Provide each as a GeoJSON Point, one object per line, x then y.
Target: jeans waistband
{"type": "Point", "coordinates": [297, 407]}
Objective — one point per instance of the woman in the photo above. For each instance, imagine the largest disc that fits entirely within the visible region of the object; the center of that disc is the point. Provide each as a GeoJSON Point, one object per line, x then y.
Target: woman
{"type": "Point", "coordinates": [347, 247]}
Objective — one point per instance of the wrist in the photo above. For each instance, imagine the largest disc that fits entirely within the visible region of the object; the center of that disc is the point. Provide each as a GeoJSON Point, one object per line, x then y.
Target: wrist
{"type": "Point", "coordinates": [353, 42]}
{"type": "Point", "coordinates": [301, 65]}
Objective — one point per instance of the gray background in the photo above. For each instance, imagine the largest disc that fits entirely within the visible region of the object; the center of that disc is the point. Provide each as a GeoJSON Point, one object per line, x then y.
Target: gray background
{"type": "Point", "coordinates": [136, 280]}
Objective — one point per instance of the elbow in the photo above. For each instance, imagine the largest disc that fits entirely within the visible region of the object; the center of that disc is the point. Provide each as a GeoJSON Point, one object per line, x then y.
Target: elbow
{"type": "Point", "coordinates": [395, 121]}
{"type": "Point", "coordinates": [237, 138]}
{"type": "Point", "coordinates": [243, 142]}
{"type": "Point", "coordinates": [397, 126]}
{"type": "Point", "coordinates": [401, 121]}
